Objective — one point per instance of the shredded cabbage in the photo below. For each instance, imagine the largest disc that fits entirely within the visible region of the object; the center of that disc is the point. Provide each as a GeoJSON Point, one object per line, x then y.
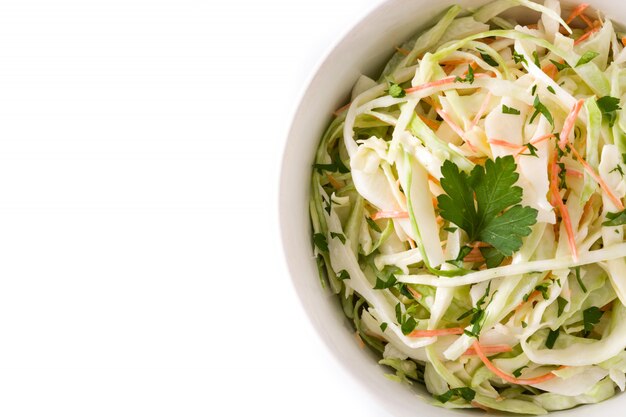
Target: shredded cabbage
{"type": "Point", "coordinates": [537, 328]}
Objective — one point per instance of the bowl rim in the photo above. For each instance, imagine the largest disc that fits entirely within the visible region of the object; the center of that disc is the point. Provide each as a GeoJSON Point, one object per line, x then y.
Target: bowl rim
{"type": "Point", "coordinates": [288, 267]}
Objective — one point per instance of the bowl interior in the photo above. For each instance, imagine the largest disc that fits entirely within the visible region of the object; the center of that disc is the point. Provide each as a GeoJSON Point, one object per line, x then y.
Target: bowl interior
{"type": "Point", "coordinates": [364, 50]}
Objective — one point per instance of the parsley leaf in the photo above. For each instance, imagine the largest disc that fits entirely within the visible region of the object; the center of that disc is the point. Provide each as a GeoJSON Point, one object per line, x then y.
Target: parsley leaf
{"type": "Point", "coordinates": [343, 275]}
{"type": "Point", "coordinates": [408, 326]}
{"type": "Point", "coordinates": [492, 256]}
{"type": "Point", "coordinates": [386, 278]}
{"type": "Point", "coordinates": [466, 393]}
{"type": "Point", "coordinates": [383, 326]}
{"type": "Point", "coordinates": [551, 339]}
{"type": "Point", "coordinates": [615, 219]}
{"type": "Point", "coordinates": [495, 216]}
{"type": "Point", "coordinates": [518, 372]}
{"type": "Point", "coordinates": [586, 58]}
{"type": "Point", "coordinates": [450, 229]}
{"type": "Point", "coordinates": [559, 66]}
{"type": "Point", "coordinates": [395, 90]}
{"type": "Point", "coordinates": [519, 58]}
{"type": "Point", "coordinates": [579, 280]}
{"type": "Point", "coordinates": [509, 110]}
{"type": "Point", "coordinates": [591, 317]}
{"type": "Point", "coordinates": [372, 224]}
{"type": "Point", "coordinates": [551, 89]}
{"type": "Point", "coordinates": [543, 289]}
{"type": "Point", "coordinates": [339, 236]}
{"type": "Point", "coordinates": [320, 242]}
{"type": "Point", "coordinates": [532, 150]}
{"type": "Point", "coordinates": [533, 90]}
{"type": "Point", "coordinates": [618, 169]}
{"type": "Point", "coordinates": [488, 58]}
{"type": "Point", "coordinates": [337, 165]}
{"type": "Point", "coordinates": [562, 302]}
{"type": "Point", "coordinates": [609, 106]}
{"type": "Point", "coordinates": [541, 108]}
{"type": "Point", "coordinates": [469, 78]}
{"type": "Point", "coordinates": [536, 59]}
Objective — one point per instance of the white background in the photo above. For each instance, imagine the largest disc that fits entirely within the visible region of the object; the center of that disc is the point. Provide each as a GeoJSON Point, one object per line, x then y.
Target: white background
{"type": "Point", "coordinates": [140, 267]}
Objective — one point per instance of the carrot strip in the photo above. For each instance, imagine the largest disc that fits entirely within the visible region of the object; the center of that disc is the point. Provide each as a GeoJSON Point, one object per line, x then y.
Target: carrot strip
{"type": "Point", "coordinates": [341, 109]}
{"type": "Point", "coordinates": [432, 124]}
{"type": "Point", "coordinates": [504, 143]}
{"type": "Point", "coordinates": [574, 173]}
{"type": "Point", "coordinates": [336, 184]}
{"type": "Point", "coordinates": [569, 123]}
{"type": "Point", "coordinates": [476, 404]}
{"type": "Point", "coordinates": [571, 240]}
{"type": "Point", "coordinates": [457, 129]}
{"type": "Point", "coordinates": [624, 41]}
{"type": "Point", "coordinates": [403, 51]}
{"type": "Point", "coordinates": [550, 70]}
{"type": "Point", "coordinates": [359, 341]}
{"type": "Point", "coordinates": [413, 292]}
{"type": "Point", "coordinates": [433, 179]}
{"type": "Point", "coordinates": [436, 332]}
{"type": "Point", "coordinates": [390, 215]}
{"type": "Point", "coordinates": [454, 62]}
{"type": "Point", "coordinates": [587, 21]}
{"type": "Point", "coordinates": [576, 12]}
{"type": "Point", "coordinates": [483, 357]}
{"type": "Point", "coordinates": [586, 36]}
{"type": "Point", "coordinates": [443, 81]}
{"type": "Point", "coordinates": [489, 350]}
{"type": "Point", "coordinates": [607, 306]}
{"type": "Point", "coordinates": [482, 109]}
{"type": "Point", "coordinates": [618, 203]}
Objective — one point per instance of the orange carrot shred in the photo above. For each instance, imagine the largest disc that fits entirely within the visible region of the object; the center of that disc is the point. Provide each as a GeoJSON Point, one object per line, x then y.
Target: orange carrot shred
{"type": "Point", "coordinates": [489, 350]}
{"type": "Point", "coordinates": [571, 239]}
{"type": "Point", "coordinates": [586, 36]}
{"type": "Point", "coordinates": [390, 215]}
{"type": "Point", "coordinates": [624, 41]}
{"type": "Point", "coordinates": [432, 124]}
{"type": "Point", "coordinates": [569, 123]}
{"type": "Point", "coordinates": [576, 12]}
{"type": "Point", "coordinates": [457, 129]}
{"type": "Point", "coordinates": [482, 109]}
{"type": "Point", "coordinates": [336, 184]}
{"type": "Point", "coordinates": [537, 380]}
{"type": "Point", "coordinates": [403, 51]}
{"type": "Point", "coordinates": [436, 332]}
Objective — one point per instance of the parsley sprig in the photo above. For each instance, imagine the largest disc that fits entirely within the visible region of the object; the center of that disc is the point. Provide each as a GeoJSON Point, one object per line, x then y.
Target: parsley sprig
{"type": "Point", "coordinates": [485, 203]}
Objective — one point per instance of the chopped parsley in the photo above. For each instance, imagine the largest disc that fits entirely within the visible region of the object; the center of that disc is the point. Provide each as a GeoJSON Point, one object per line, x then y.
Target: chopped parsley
{"type": "Point", "coordinates": [339, 236]}
{"type": "Point", "coordinates": [509, 110]}
{"type": "Point", "coordinates": [477, 313]}
{"type": "Point", "coordinates": [373, 224]}
{"type": "Point", "coordinates": [562, 303]}
{"type": "Point", "coordinates": [586, 58]}
{"type": "Point", "coordinates": [519, 58]}
{"type": "Point", "coordinates": [591, 317]}
{"type": "Point", "coordinates": [485, 203]}
{"type": "Point", "coordinates": [551, 89]}
{"type": "Point", "coordinates": [559, 66]}
{"type": "Point", "coordinates": [579, 280]}
{"type": "Point", "coordinates": [407, 323]}
{"type": "Point", "coordinates": [343, 275]}
{"type": "Point", "coordinates": [541, 108]}
{"type": "Point", "coordinates": [320, 242]}
{"type": "Point", "coordinates": [488, 58]}
{"type": "Point", "coordinates": [615, 219]}
{"type": "Point", "coordinates": [386, 278]}
{"type": "Point", "coordinates": [532, 150]}
{"type": "Point", "coordinates": [469, 78]}
{"type": "Point", "coordinates": [608, 107]}
{"type": "Point", "coordinates": [536, 58]}
{"type": "Point", "coordinates": [551, 339]}
{"type": "Point", "coordinates": [518, 372]}
{"type": "Point", "coordinates": [466, 393]}
{"type": "Point", "coordinates": [618, 169]}
{"type": "Point", "coordinates": [383, 326]}
{"type": "Point", "coordinates": [337, 165]}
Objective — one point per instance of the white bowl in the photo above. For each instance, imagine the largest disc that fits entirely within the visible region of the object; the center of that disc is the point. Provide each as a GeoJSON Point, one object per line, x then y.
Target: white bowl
{"type": "Point", "coordinates": [364, 49]}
